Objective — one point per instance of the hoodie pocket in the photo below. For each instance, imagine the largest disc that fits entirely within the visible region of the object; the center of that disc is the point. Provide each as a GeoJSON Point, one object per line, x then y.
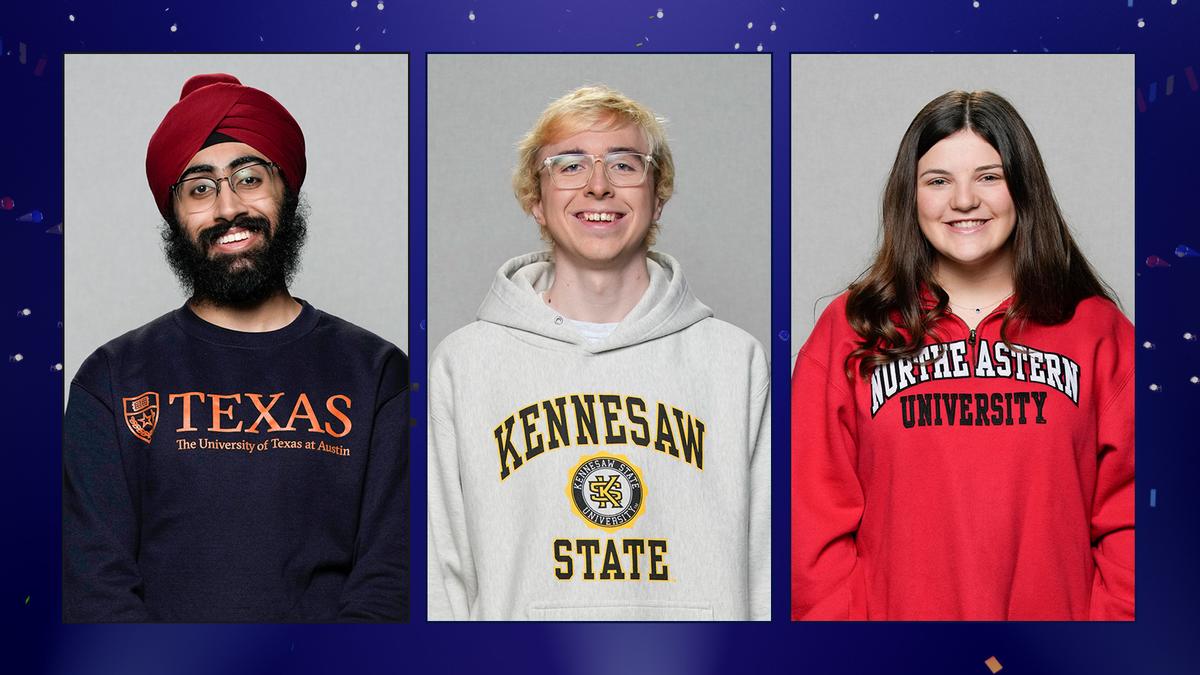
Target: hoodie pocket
{"type": "Point", "coordinates": [659, 611]}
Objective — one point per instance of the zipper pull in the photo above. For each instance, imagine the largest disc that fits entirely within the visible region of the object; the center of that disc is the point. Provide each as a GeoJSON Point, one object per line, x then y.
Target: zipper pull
{"type": "Point", "coordinates": [971, 339]}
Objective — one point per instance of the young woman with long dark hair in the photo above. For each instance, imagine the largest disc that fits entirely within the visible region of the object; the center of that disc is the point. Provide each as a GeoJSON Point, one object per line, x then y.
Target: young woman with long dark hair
{"type": "Point", "coordinates": [962, 416]}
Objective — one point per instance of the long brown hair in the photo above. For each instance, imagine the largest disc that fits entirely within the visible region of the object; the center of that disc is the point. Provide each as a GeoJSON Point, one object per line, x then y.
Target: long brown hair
{"type": "Point", "coordinates": [1050, 274]}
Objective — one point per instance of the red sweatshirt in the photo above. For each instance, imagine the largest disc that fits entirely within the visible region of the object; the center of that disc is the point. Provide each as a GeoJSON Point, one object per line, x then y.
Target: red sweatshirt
{"type": "Point", "coordinates": [981, 482]}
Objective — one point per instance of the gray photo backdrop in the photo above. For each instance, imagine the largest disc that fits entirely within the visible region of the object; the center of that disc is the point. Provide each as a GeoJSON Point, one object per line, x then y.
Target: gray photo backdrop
{"type": "Point", "coordinates": [850, 111]}
{"type": "Point", "coordinates": [718, 223]}
{"type": "Point", "coordinates": [353, 109]}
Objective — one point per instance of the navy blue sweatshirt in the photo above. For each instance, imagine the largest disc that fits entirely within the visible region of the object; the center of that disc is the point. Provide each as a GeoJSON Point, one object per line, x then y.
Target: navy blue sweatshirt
{"type": "Point", "coordinates": [215, 475]}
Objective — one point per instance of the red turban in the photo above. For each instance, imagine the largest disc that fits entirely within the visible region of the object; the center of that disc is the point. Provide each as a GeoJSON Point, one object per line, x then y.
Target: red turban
{"type": "Point", "coordinates": [219, 103]}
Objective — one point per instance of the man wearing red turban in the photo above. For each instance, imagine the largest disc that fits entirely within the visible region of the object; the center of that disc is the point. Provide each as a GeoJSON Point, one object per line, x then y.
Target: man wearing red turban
{"type": "Point", "coordinates": [244, 457]}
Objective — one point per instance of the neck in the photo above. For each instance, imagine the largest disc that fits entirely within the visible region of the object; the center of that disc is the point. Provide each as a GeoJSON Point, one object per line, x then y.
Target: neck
{"type": "Point", "coordinates": [976, 285]}
{"type": "Point", "coordinates": [274, 313]}
{"type": "Point", "coordinates": [599, 294]}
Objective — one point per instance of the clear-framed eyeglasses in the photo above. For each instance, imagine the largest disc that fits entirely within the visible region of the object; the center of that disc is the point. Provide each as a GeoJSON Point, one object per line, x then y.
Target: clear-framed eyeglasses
{"type": "Point", "coordinates": [573, 170]}
{"type": "Point", "coordinates": [249, 182]}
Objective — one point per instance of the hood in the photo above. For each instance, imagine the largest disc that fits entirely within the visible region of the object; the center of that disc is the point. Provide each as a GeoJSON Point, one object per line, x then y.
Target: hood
{"type": "Point", "coordinates": [666, 307]}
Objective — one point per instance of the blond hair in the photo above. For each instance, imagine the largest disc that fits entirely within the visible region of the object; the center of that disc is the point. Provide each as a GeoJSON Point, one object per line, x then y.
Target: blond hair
{"type": "Point", "coordinates": [591, 107]}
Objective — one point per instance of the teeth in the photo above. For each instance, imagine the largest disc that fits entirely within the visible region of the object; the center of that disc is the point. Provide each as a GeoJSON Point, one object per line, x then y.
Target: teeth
{"type": "Point", "coordinates": [966, 224]}
{"type": "Point", "coordinates": [599, 217]}
{"type": "Point", "coordinates": [230, 238]}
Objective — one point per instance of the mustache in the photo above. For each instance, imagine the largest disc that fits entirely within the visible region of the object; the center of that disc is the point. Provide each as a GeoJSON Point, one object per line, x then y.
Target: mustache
{"type": "Point", "coordinates": [249, 223]}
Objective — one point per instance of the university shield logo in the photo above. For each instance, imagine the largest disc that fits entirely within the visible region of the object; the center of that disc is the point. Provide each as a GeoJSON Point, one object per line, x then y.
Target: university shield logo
{"type": "Point", "coordinates": [141, 414]}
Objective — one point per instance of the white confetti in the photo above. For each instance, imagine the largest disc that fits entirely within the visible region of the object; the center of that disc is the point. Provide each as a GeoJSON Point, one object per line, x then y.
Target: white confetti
{"type": "Point", "coordinates": [1141, 23]}
{"type": "Point", "coordinates": [358, 47]}
{"type": "Point", "coordinates": [354, 3]}
{"type": "Point", "coordinates": [471, 15]}
{"type": "Point", "coordinates": [749, 25]}
{"type": "Point", "coordinates": [758, 48]}
{"type": "Point", "coordinates": [737, 45]}
{"type": "Point", "coordinates": [1190, 337]}
{"type": "Point", "coordinates": [70, 17]}
{"type": "Point", "coordinates": [975, 4]}
{"type": "Point", "coordinates": [17, 357]}
{"type": "Point", "coordinates": [876, 17]}
{"type": "Point", "coordinates": [57, 366]}
{"type": "Point", "coordinates": [659, 13]}
{"type": "Point", "coordinates": [27, 312]}
{"type": "Point", "coordinates": [379, 7]}
{"type": "Point", "coordinates": [1147, 345]}
{"type": "Point", "coordinates": [1195, 380]}
{"type": "Point", "coordinates": [1155, 387]}
{"type": "Point", "coordinates": [1174, 2]}
{"type": "Point", "coordinates": [174, 27]}
{"type": "Point", "coordinates": [772, 26]}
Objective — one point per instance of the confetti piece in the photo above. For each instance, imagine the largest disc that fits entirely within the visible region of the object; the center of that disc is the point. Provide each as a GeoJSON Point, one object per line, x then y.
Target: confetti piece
{"type": "Point", "coordinates": [1195, 380]}
{"type": "Point", "coordinates": [1130, 3]}
{"type": "Point", "coordinates": [16, 358]}
{"type": "Point", "coordinates": [758, 48]}
{"type": "Point", "coordinates": [1141, 23]}
{"type": "Point", "coordinates": [1155, 261]}
{"type": "Point", "coordinates": [1155, 387]}
{"type": "Point", "coordinates": [993, 664]}
{"type": "Point", "coordinates": [784, 335]}
{"type": "Point", "coordinates": [56, 367]}
{"type": "Point", "coordinates": [876, 17]}
{"type": "Point", "coordinates": [358, 47]}
{"type": "Point", "coordinates": [1153, 498]}
{"type": "Point", "coordinates": [1191, 78]}
{"type": "Point", "coordinates": [7, 203]}
{"type": "Point", "coordinates": [40, 67]}
{"type": "Point", "coordinates": [1189, 336]}
{"type": "Point", "coordinates": [1141, 103]}
{"type": "Point", "coordinates": [749, 25]}
{"type": "Point", "coordinates": [659, 13]}
{"type": "Point", "coordinates": [772, 26]}
{"type": "Point", "coordinates": [34, 216]}
{"type": "Point", "coordinates": [422, 324]}
{"type": "Point", "coordinates": [379, 6]}
{"type": "Point", "coordinates": [1170, 84]}
{"type": "Point", "coordinates": [174, 27]}
{"type": "Point", "coordinates": [471, 15]}
{"type": "Point", "coordinates": [25, 312]}
{"type": "Point", "coordinates": [57, 229]}
{"type": "Point", "coordinates": [27, 599]}
{"type": "Point", "coordinates": [737, 45]}
{"type": "Point", "coordinates": [1147, 345]}
{"type": "Point", "coordinates": [71, 18]}
{"type": "Point", "coordinates": [1184, 251]}
{"type": "Point", "coordinates": [354, 3]}
{"type": "Point", "coordinates": [976, 6]}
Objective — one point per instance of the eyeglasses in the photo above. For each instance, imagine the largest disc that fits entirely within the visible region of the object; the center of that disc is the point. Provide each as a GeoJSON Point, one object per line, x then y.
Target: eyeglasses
{"type": "Point", "coordinates": [573, 171]}
{"type": "Point", "coordinates": [200, 193]}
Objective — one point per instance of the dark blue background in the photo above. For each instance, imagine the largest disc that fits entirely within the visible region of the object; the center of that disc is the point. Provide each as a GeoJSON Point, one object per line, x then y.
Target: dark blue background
{"type": "Point", "coordinates": [1161, 640]}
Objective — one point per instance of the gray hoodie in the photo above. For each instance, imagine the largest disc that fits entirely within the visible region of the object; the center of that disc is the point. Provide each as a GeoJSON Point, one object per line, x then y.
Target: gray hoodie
{"type": "Point", "coordinates": [627, 479]}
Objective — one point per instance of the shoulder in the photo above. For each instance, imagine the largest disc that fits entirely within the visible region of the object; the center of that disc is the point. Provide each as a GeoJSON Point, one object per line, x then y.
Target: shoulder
{"type": "Point", "coordinates": [158, 336]}
{"type": "Point", "coordinates": [1101, 313]}
{"type": "Point", "coordinates": [832, 334]}
{"type": "Point", "coordinates": [355, 338]}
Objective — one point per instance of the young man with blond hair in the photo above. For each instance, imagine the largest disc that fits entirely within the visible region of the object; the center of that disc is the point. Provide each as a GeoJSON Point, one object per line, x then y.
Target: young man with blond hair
{"type": "Point", "coordinates": [599, 443]}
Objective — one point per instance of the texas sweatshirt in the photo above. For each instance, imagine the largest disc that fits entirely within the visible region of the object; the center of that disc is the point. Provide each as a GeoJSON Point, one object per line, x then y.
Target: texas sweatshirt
{"type": "Point", "coordinates": [624, 479]}
{"type": "Point", "coordinates": [215, 475]}
{"type": "Point", "coordinates": [978, 481]}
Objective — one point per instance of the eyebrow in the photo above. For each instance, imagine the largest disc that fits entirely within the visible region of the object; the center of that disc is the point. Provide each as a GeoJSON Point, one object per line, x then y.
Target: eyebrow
{"type": "Point", "coordinates": [579, 151]}
{"type": "Point", "coordinates": [943, 172]}
{"type": "Point", "coordinates": [209, 168]}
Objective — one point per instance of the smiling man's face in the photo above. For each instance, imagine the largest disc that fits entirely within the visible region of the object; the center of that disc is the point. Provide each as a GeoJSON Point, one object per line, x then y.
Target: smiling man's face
{"type": "Point", "coordinates": [599, 225]}
{"type": "Point", "coordinates": [232, 247]}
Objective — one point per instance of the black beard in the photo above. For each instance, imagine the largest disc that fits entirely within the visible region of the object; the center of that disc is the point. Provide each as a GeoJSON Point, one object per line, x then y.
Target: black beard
{"type": "Point", "coordinates": [241, 280]}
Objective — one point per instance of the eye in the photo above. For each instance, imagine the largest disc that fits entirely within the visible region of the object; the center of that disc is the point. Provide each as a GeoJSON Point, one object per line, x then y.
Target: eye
{"type": "Point", "coordinates": [991, 178]}
{"type": "Point", "coordinates": [200, 188]}
{"type": "Point", "coordinates": [625, 163]}
{"type": "Point", "coordinates": [938, 182]}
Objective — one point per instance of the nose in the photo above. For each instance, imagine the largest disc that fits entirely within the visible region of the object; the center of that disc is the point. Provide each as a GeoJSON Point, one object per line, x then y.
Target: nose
{"type": "Point", "coordinates": [229, 205]}
{"type": "Point", "coordinates": [598, 185]}
{"type": "Point", "coordinates": [964, 197]}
